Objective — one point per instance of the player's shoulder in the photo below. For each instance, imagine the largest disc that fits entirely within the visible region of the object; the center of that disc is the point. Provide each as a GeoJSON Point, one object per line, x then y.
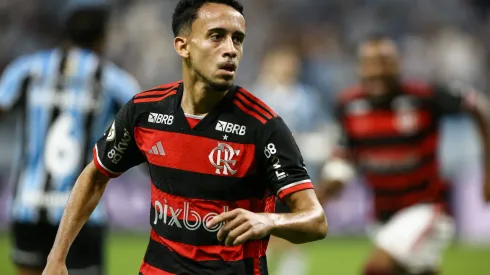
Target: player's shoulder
{"type": "Point", "coordinates": [157, 94]}
{"type": "Point", "coordinates": [152, 101]}
{"type": "Point", "coordinates": [29, 58]}
{"type": "Point", "coordinates": [41, 54]}
{"type": "Point", "coordinates": [29, 64]}
{"type": "Point", "coordinates": [349, 94]}
{"type": "Point", "coordinates": [253, 107]}
{"type": "Point", "coordinates": [418, 88]}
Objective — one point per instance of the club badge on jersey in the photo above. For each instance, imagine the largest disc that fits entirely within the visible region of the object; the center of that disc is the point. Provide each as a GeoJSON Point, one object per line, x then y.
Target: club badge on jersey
{"type": "Point", "coordinates": [112, 132]}
{"type": "Point", "coordinates": [221, 158]}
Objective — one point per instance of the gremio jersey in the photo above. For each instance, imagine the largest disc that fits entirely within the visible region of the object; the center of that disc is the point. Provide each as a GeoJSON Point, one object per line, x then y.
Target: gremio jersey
{"type": "Point", "coordinates": [240, 155]}
{"type": "Point", "coordinates": [68, 98]}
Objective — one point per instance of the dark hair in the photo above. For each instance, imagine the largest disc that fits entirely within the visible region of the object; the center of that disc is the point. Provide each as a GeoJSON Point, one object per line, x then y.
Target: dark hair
{"type": "Point", "coordinates": [185, 12]}
{"type": "Point", "coordinates": [85, 27]}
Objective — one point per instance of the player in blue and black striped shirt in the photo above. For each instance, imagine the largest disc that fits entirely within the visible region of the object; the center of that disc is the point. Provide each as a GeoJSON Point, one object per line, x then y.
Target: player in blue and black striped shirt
{"type": "Point", "coordinates": [68, 96]}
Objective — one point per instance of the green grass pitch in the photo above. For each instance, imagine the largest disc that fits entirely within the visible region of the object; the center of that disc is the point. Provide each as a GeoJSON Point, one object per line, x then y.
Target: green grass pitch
{"type": "Point", "coordinates": [335, 256]}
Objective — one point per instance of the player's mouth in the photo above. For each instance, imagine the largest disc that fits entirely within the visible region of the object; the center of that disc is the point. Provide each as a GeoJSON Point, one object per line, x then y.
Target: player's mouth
{"type": "Point", "coordinates": [228, 68]}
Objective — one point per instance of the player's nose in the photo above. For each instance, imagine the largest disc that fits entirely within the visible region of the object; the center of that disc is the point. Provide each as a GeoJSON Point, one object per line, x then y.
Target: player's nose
{"type": "Point", "coordinates": [229, 48]}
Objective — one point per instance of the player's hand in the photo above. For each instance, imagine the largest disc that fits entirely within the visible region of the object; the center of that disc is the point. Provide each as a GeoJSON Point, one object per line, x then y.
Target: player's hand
{"type": "Point", "coordinates": [241, 226]}
{"type": "Point", "coordinates": [55, 268]}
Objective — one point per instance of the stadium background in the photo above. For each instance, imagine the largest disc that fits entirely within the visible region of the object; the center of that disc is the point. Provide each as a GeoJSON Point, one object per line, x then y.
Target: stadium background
{"type": "Point", "coordinates": [441, 40]}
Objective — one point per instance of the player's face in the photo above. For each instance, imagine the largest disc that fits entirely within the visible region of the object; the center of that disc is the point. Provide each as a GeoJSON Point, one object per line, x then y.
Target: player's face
{"type": "Point", "coordinates": [378, 68]}
{"type": "Point", "coordinates": [216, 45]}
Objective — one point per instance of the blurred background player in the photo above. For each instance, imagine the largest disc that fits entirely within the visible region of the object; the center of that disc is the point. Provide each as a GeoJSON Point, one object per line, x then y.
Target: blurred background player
{"type": "Point", "coordinates": [67, 96]}
{"type": "Point", "coordinates": [300, 107]}
{"type": "Point", "coordinates": [390, 134]}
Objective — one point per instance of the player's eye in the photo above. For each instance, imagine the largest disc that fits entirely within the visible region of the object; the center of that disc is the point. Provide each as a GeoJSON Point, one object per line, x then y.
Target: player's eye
{"type": "Point", "coordinates": [216, 37]}
{"type": "Point", "coordinates": [237, 40]}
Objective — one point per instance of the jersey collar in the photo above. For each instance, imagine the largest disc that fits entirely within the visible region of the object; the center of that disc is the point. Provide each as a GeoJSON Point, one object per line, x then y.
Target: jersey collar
{"type": "Point", "coordinates": [223, 106]}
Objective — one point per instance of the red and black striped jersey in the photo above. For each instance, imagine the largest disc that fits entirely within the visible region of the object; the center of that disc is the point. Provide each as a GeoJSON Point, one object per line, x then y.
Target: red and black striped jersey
{"type": "Point", "coordinates": [240, 155]}
{"type": "Point", "coordinates": [394, 143]}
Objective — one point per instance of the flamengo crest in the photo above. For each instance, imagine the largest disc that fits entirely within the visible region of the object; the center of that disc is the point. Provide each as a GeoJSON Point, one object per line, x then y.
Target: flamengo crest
{"type": "Point", "coordinates": [221, 158]}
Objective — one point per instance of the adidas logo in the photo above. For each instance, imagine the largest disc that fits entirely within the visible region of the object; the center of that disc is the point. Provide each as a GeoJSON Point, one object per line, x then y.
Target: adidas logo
{"type": "Point", "coordinates": [157, 149]}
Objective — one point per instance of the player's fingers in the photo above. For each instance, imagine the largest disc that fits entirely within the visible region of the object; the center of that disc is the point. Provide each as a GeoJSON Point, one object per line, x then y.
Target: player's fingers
{"type": "Point", "coordinates": [229, 226]}
{"type": "Point", "coordinates": [241, 230]}
{"type": "Point", "coordinates": [223, 217]}
{"type": "Point", "coordinates": [241, 239]}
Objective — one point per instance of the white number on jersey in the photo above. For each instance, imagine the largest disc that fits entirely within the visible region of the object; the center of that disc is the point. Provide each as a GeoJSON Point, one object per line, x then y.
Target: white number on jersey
{"type": "Point", "coordinates": [62, 151]}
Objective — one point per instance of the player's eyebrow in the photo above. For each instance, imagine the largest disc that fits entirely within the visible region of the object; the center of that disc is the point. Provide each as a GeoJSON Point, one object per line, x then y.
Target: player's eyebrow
{"type": "Point", "coordinates": [240, 34]}
{"type": "Point", "coordinates": [224, 31]}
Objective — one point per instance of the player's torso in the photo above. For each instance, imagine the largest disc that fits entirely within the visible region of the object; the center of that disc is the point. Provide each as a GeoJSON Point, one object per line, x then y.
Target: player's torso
{"type": "Point", "coordinates": [196, 175]}
{"type": "Point", "coordinates": [64, 113]}
{"type": "Point", "coordinates": [395, 146]}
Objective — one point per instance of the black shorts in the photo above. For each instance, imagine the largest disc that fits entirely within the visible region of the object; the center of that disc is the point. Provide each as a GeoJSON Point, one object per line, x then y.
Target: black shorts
{"type": "Point", "coordinates": [32, 244]}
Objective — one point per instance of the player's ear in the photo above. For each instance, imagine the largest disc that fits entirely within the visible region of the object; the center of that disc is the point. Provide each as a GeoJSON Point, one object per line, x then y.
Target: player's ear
{"type": "Point", "coordinates": [181, 46]}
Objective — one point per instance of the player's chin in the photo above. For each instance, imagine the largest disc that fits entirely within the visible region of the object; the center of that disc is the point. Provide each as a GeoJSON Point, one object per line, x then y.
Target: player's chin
{"type": "Point", "coordinates": [221, 84]}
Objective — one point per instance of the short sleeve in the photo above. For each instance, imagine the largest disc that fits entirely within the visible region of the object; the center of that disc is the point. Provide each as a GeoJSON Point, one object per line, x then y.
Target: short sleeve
{"type": "Point", "coordinates": [454, 99]}
{"type": "Point", "coordinates": [116, 151]}
{"type": "Point", "coordinates": [12, 80]}
{"type": "Point", "coordinates": [280, 160]}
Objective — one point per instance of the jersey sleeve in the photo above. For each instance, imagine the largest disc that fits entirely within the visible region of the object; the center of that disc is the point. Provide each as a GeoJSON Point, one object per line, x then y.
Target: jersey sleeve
{"type": "Point", "coordinates": [121, 85]}
{"type": "Point", "coordinates": [117, 151]}
{"type": "Point", "coordinates": [280, 160]}
{"type": "Point", "coordinates": [12, 80]}
{"type": "Point", "coordinates": [454, 99]}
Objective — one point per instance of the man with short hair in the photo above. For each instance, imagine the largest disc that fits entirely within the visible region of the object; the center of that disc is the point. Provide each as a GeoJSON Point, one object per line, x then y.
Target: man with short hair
{"type": "Point", "coordinates": [217, 156]}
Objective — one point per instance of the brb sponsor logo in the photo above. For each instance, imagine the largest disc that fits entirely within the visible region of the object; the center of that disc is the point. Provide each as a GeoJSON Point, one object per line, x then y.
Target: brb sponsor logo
{"type": "Point", "coordinates": [117, 153]}
{"type": "Point", "coordinates": [160, 119]}
{"type": "Point", "coordinates": [231, 128]}
{"type": "Point", "coordinates": [179, 217]}
{"type": "Point", "coordinates": [221, 158]}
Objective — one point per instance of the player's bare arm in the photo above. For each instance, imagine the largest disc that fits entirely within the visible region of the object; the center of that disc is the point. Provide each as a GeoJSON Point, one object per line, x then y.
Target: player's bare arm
{"type": "Point", "coordinates": [461, 97]}
{"type": "Point", "coordinates": [86, 194]}
{"type": "Point", "coordinates": [481, 114]}
{"type": "Point", "coordinates": [306, 223]}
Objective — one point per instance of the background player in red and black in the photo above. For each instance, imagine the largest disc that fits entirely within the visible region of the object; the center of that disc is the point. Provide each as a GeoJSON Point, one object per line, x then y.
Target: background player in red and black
{"type": "Point", "coordinates": [390, 134]}
{"type": "Point", "coordinates": [217, 156]}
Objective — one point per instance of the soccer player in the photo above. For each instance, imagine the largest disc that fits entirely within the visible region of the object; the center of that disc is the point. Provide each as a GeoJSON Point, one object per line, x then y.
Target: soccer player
{"type": "Point", "coordinates": [217, 156]}
{"type": "Point", "coordinates": [68, 95]}
{"type": "Point", "coordinates": [390, 134]}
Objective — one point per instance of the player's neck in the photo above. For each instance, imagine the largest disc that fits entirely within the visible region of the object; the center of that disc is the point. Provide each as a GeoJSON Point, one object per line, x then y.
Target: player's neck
{"type": "Point", "coordinates": [198, 100]}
